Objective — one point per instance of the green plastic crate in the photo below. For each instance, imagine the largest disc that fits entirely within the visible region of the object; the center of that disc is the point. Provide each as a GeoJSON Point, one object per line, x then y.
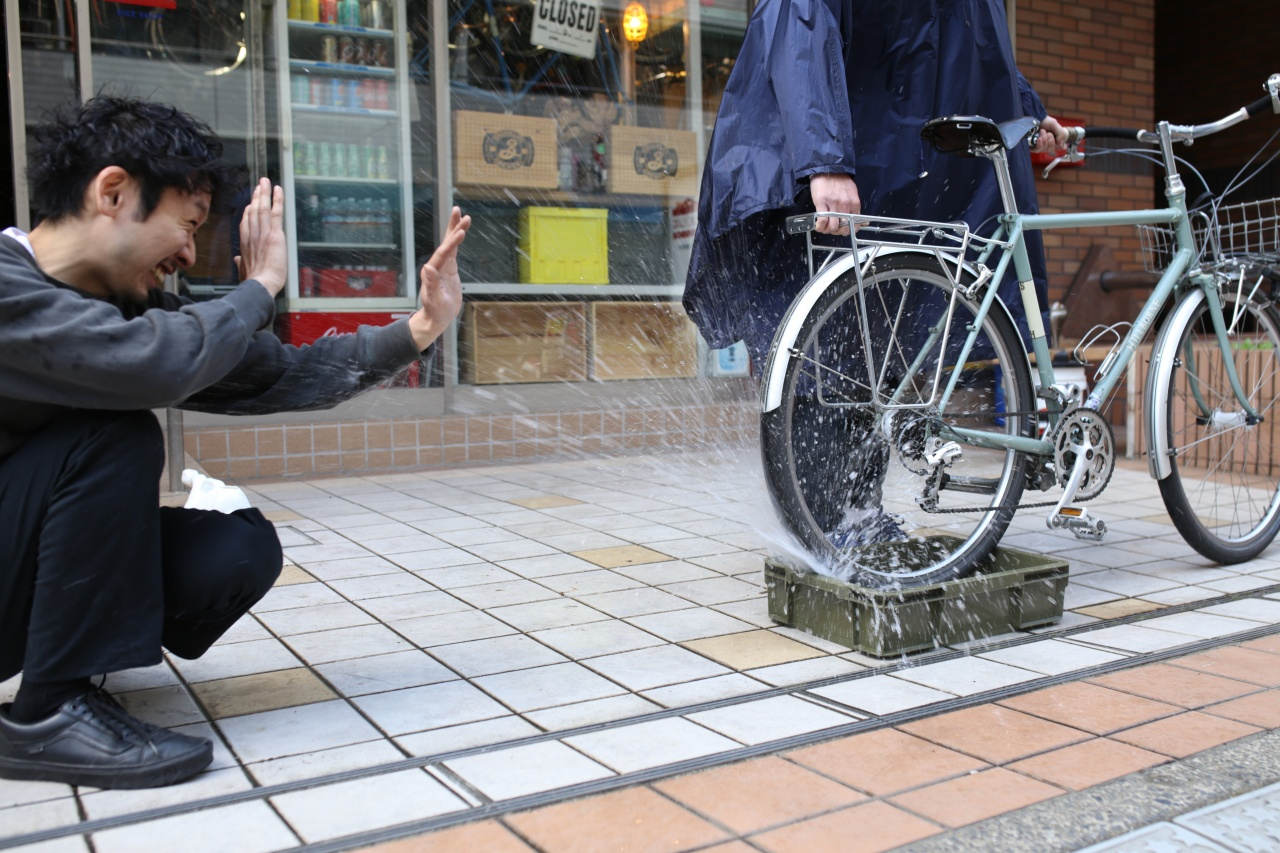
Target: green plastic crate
{"type": "Point", "coordinates": [1012, 590]}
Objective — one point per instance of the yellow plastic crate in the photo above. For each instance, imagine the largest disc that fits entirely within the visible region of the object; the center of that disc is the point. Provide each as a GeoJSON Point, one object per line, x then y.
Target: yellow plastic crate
{"type": "Point", "coordinates": [564, 245]}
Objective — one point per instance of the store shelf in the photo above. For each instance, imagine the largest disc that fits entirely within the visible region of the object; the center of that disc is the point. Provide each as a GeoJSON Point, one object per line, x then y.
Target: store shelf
{"type": "Point", "coordinates": [492, 193]}
{"type": "Point", "coordinates": [360, 182]}
{"type": "Point", "coordinates": [341, 68]}
{"type": "Point", "coordinates": [364, 247]}
{"type": "Point", "coordinates": [337, 29]}
{"type": "Point", "coordinates": [354, 112]}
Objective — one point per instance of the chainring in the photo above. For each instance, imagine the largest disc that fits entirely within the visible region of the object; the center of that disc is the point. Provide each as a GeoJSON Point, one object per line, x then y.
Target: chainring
{"type": "Point", "coordinates": [1084, 430]}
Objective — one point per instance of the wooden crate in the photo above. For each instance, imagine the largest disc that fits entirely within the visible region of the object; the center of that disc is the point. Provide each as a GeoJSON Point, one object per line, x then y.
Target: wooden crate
{"type": "Point", "coordinates": [504, 150]}
{"type": "Point", "coordinates": [642, 340]}
{"type": "Point", "coordinates": [504, 342]}
{"type": "Point", "coordinates": [652, 161]}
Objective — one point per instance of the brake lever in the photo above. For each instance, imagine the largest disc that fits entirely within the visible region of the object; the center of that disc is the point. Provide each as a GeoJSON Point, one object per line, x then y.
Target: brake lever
{"type": "Point", "coordinates": [1074, 155]}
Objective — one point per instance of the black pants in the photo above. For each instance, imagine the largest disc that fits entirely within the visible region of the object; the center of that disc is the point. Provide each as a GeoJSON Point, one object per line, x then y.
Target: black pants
{"type": "Point", "coordinates": [94, 575]}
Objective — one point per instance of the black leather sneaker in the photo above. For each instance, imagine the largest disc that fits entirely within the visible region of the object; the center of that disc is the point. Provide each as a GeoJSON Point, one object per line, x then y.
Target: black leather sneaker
{"type": "Point", "coordinates": [92, 740]}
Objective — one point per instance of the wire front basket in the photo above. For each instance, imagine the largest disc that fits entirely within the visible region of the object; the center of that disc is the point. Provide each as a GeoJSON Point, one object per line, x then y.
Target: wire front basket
{"type": "Point", "coordinates": [1229, 235]}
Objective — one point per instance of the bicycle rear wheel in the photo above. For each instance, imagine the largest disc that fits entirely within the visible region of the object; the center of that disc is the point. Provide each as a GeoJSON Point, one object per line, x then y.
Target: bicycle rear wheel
{"type": "Point", "coordinates": [1223, 494]}
{"type": "Point", "coordinates": [856, 424]}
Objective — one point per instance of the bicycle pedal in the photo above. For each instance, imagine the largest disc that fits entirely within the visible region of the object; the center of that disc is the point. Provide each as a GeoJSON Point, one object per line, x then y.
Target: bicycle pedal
{"type": "Point", "coordinates": [1078, 520]}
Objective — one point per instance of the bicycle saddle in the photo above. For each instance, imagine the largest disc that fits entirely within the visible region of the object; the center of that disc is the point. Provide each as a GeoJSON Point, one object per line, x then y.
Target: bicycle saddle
{"type": "Point", "coordinates": [969, 136]}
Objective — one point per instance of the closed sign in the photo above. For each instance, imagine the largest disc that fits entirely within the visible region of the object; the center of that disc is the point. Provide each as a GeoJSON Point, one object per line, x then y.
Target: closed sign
{"type": "Point", "coordinates": [568, 26]}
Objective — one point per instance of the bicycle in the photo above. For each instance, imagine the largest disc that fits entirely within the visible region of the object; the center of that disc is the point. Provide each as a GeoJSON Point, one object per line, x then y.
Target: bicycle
{"type": "Point", "coordinates": [899, 336]}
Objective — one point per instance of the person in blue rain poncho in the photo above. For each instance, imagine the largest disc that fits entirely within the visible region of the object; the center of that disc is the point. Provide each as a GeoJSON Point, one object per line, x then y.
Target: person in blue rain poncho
{"type": "Point", "coordinates": [823, 110]}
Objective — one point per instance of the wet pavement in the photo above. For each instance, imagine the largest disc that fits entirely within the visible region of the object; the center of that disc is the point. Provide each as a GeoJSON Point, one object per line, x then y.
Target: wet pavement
{"type": "Point", "coordinates": [578, 655]}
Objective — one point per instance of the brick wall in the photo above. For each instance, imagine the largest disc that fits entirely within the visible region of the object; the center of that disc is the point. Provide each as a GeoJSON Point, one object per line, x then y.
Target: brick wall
{"type": "Point", "coordinates": [1093, 60]}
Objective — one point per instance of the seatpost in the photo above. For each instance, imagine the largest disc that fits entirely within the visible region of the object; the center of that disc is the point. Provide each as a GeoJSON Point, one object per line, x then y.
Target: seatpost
{"type": "Point", "coordinates": [1000, 160]}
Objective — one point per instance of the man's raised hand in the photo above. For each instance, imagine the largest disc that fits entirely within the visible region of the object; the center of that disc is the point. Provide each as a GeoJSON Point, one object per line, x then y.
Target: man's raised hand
{"type": "Point", "coordinates": [441, 288]}
{"type": "Point", "coordinates": [263, 253]}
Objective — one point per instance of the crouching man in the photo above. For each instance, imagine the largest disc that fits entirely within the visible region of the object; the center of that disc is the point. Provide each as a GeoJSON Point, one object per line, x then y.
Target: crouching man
{"type": "Point", "coordinates": [95, 576]}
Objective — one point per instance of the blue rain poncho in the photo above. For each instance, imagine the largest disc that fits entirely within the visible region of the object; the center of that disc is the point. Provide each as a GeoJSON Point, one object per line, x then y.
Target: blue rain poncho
{"type": "Point", "coordinates": [844, 86]}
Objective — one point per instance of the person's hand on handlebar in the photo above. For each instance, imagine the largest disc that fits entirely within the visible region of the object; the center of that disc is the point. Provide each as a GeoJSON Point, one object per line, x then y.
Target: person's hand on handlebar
{"type": "Point", "coordinates": [1052, 136]}
{"type": "Point", "coordinates": [836, 193]}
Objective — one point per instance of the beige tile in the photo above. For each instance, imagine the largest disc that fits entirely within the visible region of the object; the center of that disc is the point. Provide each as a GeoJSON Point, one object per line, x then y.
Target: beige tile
{"type": "Point", "coordinates": [291, 574]}
{"type": "Point", "coordinates": [751, 649]}
{"type": "Point", "coordinates": [267, 691]}
{"type": "Point", "coordinates": [976, 796]}
{"type": "Point", "coordinates": [1116, 609]}
{"type": "Point", "coordinates": [863, 828]}
{"type": "Point", "coordinates": [621, 555]}
{"type": "Point", "coordinates": [630, 819]}
{"type": "Point", "coordinates": [489, 837]}
{"type": "Point", "coordinates": [1083, 765]}
{"type": "Point", "coordinates": [544, 502]}
{"type": "Point", "coordinates": [281, 515]}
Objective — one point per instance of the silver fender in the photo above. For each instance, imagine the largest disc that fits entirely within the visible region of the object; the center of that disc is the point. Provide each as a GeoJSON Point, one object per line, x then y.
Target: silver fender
{"type": "Point", "coordinates": [789, 329]}
{"type": "Point", "coordinates": [1156, 396]}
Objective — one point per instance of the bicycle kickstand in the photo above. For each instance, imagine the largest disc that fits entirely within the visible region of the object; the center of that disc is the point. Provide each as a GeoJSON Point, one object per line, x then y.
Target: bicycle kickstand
{"type": "Point", "coordinates": [1076, 517]}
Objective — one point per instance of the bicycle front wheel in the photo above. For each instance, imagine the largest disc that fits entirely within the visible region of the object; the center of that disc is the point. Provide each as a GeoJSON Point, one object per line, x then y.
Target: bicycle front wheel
{"type": "Point", "coordinates": [851, 451]}
{"type": "Point", "coordinates": [1223, 494]}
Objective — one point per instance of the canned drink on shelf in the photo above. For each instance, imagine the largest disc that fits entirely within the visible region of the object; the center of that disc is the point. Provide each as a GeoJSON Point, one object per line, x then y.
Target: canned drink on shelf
{"type": "Point", "coordinates": [353, 94]}
{"type": "Point", "coordinates": [362, 52]}
{"type": "Point", "coordinates": [328, 49]}
{"type": "Point", "coordinates": [319, 91]}
{"type": "Point", "coordinates": [339, 164]}
{"type": "Point", "coordinates": [384, 163]}
{"type": "Point", "coordinates": [312, 162]}
{"type": "Point", "coordinates": [299, 159]}
{"type": "Point", "coordinates": [301, 89]}
{"type": "Point", "coordinates": [295, 10]}
{"type": "Point", "coordinates": [337, 92]}
{"type": "Point", "coordinates": [310, 10]}
{"type": "Point", "coordinates": [380, 54]}
{"type": "Point", "coordinates": [369, 154]}
{"type": "Point", "coordinates": [355, 162]}
{"type": "Point", "coordinates": [324, 163]}
{"type": "Point", "coordinates": [376, 15]}
{"type": "Point", "coordinates": [328, 11]}
{"type": "Point", "coordinates": [346, 50]}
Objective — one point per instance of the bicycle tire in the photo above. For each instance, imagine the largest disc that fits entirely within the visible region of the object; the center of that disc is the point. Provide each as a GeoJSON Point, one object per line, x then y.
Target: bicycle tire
{"type": "Point", "coordinates": [936, 546]}
{"type": "Point", "coordinates": [1223, 494]}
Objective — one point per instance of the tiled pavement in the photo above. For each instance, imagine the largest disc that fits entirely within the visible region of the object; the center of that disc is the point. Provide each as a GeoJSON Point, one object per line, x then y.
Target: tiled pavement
{"type": "Point", "coordinates": [474, 647]}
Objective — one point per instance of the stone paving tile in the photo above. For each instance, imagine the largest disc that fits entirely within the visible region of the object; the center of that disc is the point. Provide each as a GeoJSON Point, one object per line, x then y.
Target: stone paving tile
{"type": "Point", "coordinates": [249, 694]}
{"type": "Point", "coordinates": [753, 795]}
{"type": "Point", "coordinates": [630, 819]}
{"type": "Point", "coordinates": [751, 649]}
{"type": "Point", "coordinates": [101, 804]}
{"type": "Point", "coordinates": [1248, 665]}
{"type": "Point", "coordinates": [310, 765]}
{"type": "Point", "coordinates": [993, 733]}
{"type": "Point", "coordinates": [489, 836]}
{"type": "Point", "coordinates": [253, 824]}
{"type": "Point", "coordinates": [704, 690]}
{"type": "Point", "coordinates": [1174, 685]}
{"type": "Point", "coordinates": [649, 744]}
{"type": "Point", "coordinates": [882, 694]}
{"type": "Point", "coordinates": [884, 761]}
{"type": "Point", "coordinates": [863, 828]}
{"type": "Point", "coordinates": [547, 686]}
{"type": "Point", "coordinates": [431, 706]}
{"type": "Point", "coordinates": [647, 668]}
{"type": "Point", "coordinates": [466, 735]}
{"type": "Point", "coordinates": [1258, 709]}
{"type": "Point", "coordinates": [1083, 765]}
{"type": "Point", "coordinates": [497, 654]}
{"type": "Point", "coordinates": [775, 718]}
{"type": "Point", "coordinates": [1090, 707]}
{"type": "Point", "coordinates": [519, 770]}
{"type": "Point", "coordinates": [971, 798]}
{"type": "Point", "coordinates": [592, 711]}
{"type": "Point", "coordinates": [380, 673]}
{"type": "Point", "coordinates": [596, 638]}
{"type": "Point", "coordinates": [325, 812]}
{"type": "Point", "coordinates": [799, 672]}
{"type": "Point", "coordinates": [1184, 734]}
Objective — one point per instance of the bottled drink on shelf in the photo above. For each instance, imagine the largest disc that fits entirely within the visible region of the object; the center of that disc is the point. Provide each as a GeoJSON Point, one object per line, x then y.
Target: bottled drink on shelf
{"type": "Point", "coordinates": [295, 10]}
{"type": "Point", "coordinates": [311, 164]}
{"type": "Point", "coordinates": [384, 163]}
{"type": "Point", "coordinates": [309, 224]}
{"type": "Point", "coordinates": [355, 162]}
{"type": "Point", "coordinates": [310, 10]}
{"type": "Point", "coordinates": [349, 13]}
{"type": "Point", "coordinates": [328, 11]}
{"type": "Point", "coordinates": [324, 163]}
{"type": "Point", "coordinates": [339, 161]}
{"type": "Point", "coordinates": [319, 91]}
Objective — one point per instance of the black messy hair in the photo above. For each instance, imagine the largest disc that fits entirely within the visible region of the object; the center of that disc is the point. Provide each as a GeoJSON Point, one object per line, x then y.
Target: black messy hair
{"type": "Point", "coordinates": [159, 145]}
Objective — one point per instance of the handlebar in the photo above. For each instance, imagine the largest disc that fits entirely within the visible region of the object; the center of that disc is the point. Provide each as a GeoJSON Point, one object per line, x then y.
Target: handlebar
{"type": "Point", "coordinates": [1186, 133]}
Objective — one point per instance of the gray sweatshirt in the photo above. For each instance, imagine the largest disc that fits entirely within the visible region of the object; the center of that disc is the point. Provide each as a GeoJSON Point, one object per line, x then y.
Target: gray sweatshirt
{"type": "Point", "coordinates": [62, 349]}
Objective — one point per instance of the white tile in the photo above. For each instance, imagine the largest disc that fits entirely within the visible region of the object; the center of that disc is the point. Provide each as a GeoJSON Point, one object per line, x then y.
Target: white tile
{"type": "Point", "coordinates": [162, 706]}
{"type": "Point", "coordinates": [801, 671]}
{"type": "Point", "coordinates": [592, 711]}
{"type": "Point", "coordinates": [643, 669]}
{"type": "Point", "coordinates": [540, 615]}
{"type": "Point", "coordinates": [66, 844]}
{"type": "Point", "coordinates": [33, 817]}
{"type": "Point", "coordinates": [238, 659]}
{"type": "Point", "coordinates": [1079, 595]}
{"type": "Point", "coordinates": [1181, 595]}
{"type": "Point", "coordinates": [1126, 583]}
{"type": "Point", "coordinates": [21, 793]}
{"type": "Point", "coordinates": [649, 533]}
{"type": "Point", "coordinates": [691, 624]}
{"type": "Point", "coordinates": [966, 675]}
{"type": "Point", "coordinates": [140, 678]}
{"type": "Point", "coordinates": [716, 590]}
{"type": "Point", "coordinates": [550, 564]}
{"type": "Point", "coordinates": [755, 611]}
{"type": "Point", "coordinates": [385, 800]}
{"type": "Point", "coordinates": [882, 694]}
{"type": "Point", "coordinates": [330, 570]}
{"type": "Point", "coordinates": [668, 571]}
{"type": "Point", "coordinates": [543, 687]}
{"type": "Point", "coordinates": [321, 617]}
{"type": "Point", "coordinates": [211, 783]}
{"type": "Point", "coordinates": [378, 586]}
{"type": "Point", "coordinates": [503, 593]}
{"type": "Point", "coordinates": [428, 707]}
{"type": "Point", "coordinates": [704, 690]}
{"type": "Point", "coordinates": [1238, 584]}
{"type": "Point", "coordinates": [290, 731]}
{"type": "Point", "coordinates": [467, 735]}
{"type": "Point", "coordinates": [246, 628]}
{"type": "Point", "coordinates": [1051, 657]}
{"type": "Point", "coordinates": [373, 532]}
{"type": "Point", "coordinates": [581, 541]}
{"type": "Point", "coordinates": [414, 542]}
{"type": "Point", "coordinates": [346, 643]}
{"type": "Point", "coordinates": [596, 638]}
{"type": "Point", "coordinates": [498, 552]}
{"type": "Point", "coordinates": [1199, 624]}
{"type": "Point", "coordinates": [1253, 609]}
{"type": "Point", "coordinates": [436, 558]}
{"type": "Point", "coordinates": [413, 605]}
{"type": "Point", "coordinates": [520, 770]}
{"type": "Point", "coordinates": [477, 535]}
{"type": "Point", "coordinates": [380, 673]}
{"type": "Point", "coordinates": [578, 584]}
{"type": "Point", "coordinates": [305, 554]}
{"type": "Point", "coordinates": [1132, 638]}
{"type": "Point", "coordinates": [465, 575]}
{"type": "Point", "coordinates": [451, 628]}
{"type": "Point", "coordinates": [770, 719]}
{"type": "Point", "coordinates": [496, 654]}
{"type": "Point", "coordinates": [312, 765]}
{"type": "Point", "coordinates": [253, 825]}
{"type": "Point", "coordinates": [634, 602]}
{"type": "Point", "coordinates": [650, 744]}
